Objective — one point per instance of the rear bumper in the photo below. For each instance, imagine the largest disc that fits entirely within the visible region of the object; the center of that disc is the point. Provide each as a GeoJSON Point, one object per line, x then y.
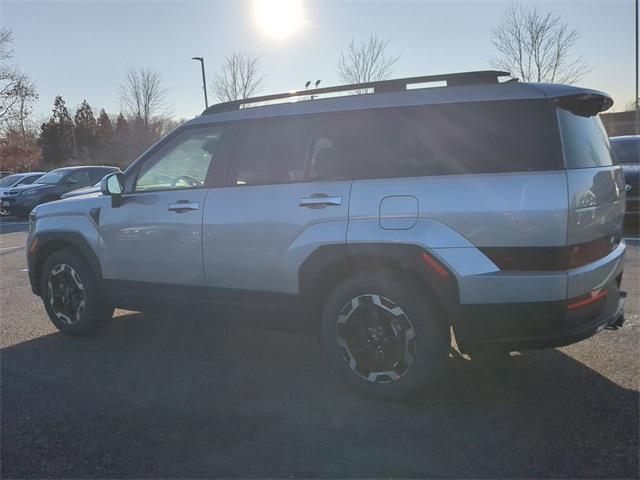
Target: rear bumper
{"type": "Point", "coordinates": [524, 327]}
{"type": "Point", "coordinates": [530, 310]}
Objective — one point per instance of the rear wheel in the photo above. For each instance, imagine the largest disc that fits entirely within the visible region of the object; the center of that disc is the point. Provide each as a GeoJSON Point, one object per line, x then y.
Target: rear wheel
{"type": "Point", "coordinates": [381, 337]}
{"type": "Point", "coordinates": [71, 296]}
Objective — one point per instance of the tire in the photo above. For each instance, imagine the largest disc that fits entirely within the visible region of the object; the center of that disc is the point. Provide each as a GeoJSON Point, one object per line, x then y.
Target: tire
{"type": "Point", "coordinates": [67, 275]}
{"type": "Point", "coordinates": [362, 324]}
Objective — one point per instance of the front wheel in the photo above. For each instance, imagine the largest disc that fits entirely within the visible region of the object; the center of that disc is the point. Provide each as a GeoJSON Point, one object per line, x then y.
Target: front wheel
{"type": "Point", "coordinates": [71, 296]}
{"type": "Point", "coordinates": [380, 336]}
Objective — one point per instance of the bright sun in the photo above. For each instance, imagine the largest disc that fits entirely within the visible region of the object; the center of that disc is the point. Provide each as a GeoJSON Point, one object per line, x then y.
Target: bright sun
{"type": "Point", "coordinates": [278, 18]}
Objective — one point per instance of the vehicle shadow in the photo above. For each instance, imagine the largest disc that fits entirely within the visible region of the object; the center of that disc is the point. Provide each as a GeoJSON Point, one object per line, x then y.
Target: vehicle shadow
{"type": "Point", "coordinates": [155, 396]}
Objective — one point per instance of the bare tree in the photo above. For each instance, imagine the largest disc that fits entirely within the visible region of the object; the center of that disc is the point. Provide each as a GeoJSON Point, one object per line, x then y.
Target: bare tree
{"type": "Point", "coordinates": [8, 74]}
{"type": "Point", "coordinates": [26, 95]}
{"type": "Point", "coordinates": [142, 96]}
{"type": "Point", "coordinates": [366, 61]}
{"type": "Point", "coordinates": [17, 91]}
{"type": "Point", "coordinates": [537, 47]}
{"type": "Point", "coordinates": [239, 77]}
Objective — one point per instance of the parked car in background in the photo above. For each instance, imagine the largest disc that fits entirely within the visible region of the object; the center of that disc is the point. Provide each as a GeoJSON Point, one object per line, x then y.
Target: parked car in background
{"type": "Point", "coordinates": [5, 174]}
{"type": "Point", "coordinates": [366, 220]}
{"type": "Point", "coordinates": [83, 191]}
{"type": "Point", "coordinates": [18, 179]}
{"type": "Point", "coordinates": [627, 152]}
{"type": "Point", "coordinates": [19, 201]}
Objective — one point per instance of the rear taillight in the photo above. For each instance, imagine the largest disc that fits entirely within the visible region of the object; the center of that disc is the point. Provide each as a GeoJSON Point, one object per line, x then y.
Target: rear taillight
{"type": "Point", "coordinates": [585, 253]}
{"type": "Point", "coordinates": [550, 258]}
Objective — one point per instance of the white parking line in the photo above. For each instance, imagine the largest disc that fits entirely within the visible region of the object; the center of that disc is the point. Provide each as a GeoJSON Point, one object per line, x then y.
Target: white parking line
{"type": "Point", "coordinates": [12, 248]}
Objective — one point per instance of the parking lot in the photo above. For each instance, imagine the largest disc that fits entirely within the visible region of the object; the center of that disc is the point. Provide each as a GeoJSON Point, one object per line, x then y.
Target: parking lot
{"type": "Point", "coordinates": [178, 397]}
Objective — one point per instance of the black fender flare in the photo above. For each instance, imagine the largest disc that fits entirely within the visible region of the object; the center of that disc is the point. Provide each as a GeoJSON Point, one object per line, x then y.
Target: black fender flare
{"type": "Point", "coordinates": [407, 258]}
{"type": "Point", "coordinates": [48, 242]}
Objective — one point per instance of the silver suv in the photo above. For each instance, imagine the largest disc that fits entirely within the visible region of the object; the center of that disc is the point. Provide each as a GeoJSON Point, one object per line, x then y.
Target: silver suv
{"type": "Point", "coordinates": [385, 222]}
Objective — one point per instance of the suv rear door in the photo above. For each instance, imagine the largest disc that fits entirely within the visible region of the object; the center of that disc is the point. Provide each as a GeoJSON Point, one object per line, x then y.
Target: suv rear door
{"type": "Point", "coordinates": [281, 202]}
{"type": "Point", "coordinates": [596, 196]}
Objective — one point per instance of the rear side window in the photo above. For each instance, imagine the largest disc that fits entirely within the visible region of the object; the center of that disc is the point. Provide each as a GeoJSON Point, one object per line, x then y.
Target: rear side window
{"type": "Point", "coordinates": [271, 152]}
{"type": "Point", "coordinates": [97, 175]}
{"type": "Point", "coordinates": [28, 180]}
{"type": "Point", "coordinates": [584, 141]}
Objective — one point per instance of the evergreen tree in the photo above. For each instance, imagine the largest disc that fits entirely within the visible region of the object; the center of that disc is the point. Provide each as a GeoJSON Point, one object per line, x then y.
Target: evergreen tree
{"type": "Point", "coordinates": [122, 126]}
{"type": "Point", "coordinates": [85, 131]}
{"type": "Point", "coordinates": [122, 142]}
{"type": "Point", "coordinates": [104, 139]}
{"type": "Point", "coordinates": [57, 136]}
{"type": "Point", "coordinates": [104, 129]}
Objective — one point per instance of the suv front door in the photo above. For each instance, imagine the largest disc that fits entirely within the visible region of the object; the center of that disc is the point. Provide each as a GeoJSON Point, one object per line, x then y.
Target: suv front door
{"type": "Point", "coordinates": [151, 240]}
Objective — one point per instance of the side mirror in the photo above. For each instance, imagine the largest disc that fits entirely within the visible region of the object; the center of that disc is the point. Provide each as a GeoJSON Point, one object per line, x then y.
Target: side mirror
{"type": "Point", "coordinates": [112, 185]}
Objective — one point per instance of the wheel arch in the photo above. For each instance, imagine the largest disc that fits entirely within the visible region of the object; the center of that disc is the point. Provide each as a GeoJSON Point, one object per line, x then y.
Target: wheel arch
{"type": "Point", "coordinates": [50, 242]}
{"type": "Point", "coordinates": [330, 264]}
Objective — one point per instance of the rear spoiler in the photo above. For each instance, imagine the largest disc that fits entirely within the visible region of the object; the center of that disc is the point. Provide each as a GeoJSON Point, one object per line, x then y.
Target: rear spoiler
{"type": "Point", "coordinates": [585, 104]}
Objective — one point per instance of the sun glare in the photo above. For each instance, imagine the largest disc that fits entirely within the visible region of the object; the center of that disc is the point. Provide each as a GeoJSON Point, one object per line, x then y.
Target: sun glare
{"type": "Point", "coordinates": [278, 18]}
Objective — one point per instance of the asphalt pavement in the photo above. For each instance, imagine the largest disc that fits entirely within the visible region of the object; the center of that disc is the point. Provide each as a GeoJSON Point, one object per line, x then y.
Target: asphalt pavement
{"type": "Point", "coordinates": [177, 397]}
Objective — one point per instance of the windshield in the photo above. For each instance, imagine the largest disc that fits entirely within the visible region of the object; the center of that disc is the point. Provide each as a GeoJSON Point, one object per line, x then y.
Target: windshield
{"type": "Point", "coordinates": [10, 180]}
{"type": "Point", "coordinates": [51, 178]}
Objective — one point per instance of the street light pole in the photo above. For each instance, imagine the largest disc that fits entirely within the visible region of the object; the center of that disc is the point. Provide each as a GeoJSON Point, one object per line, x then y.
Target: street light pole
{"type": "Point", "coordinates": [637, 101]}
{"type": "Point", "coordinates": [204, 80]}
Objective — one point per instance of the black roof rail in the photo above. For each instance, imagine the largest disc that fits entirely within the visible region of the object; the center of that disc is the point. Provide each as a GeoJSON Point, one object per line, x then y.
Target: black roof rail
{"type": "Point", "coordinates": [382, 86]}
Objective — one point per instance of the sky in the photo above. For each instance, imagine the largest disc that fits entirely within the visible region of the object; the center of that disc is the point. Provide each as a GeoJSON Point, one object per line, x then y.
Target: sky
{"type": "Point", "coordinates": [80, 49]}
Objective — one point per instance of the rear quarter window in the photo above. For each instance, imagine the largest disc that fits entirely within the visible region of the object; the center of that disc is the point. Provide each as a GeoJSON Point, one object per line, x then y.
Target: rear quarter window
{"type": "Point", "coordinates": [461, 138]}
{"type": "Point", "coordinates": [584, 141]}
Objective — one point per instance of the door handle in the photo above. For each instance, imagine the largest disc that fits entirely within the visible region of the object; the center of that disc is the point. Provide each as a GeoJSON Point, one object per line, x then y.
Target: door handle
{"type": "Point", "coordinates": [182, 206]}
{"type": "Point", "coordinates": [320, 201]}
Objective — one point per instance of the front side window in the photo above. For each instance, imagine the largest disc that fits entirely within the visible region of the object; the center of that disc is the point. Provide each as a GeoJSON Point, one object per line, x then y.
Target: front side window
{"type": "Point", "coordinates": [184, 163]}
{"type": "Point", "coordinates": [584, 141]}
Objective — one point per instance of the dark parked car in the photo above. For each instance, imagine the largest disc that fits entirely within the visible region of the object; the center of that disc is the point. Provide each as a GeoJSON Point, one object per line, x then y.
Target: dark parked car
{"type": "Point", "coordinates": [627, 152]}
{"type": "Point", "coordinates": [20, 200]}
{"type": "Point", "coordinates": [5, 174]}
